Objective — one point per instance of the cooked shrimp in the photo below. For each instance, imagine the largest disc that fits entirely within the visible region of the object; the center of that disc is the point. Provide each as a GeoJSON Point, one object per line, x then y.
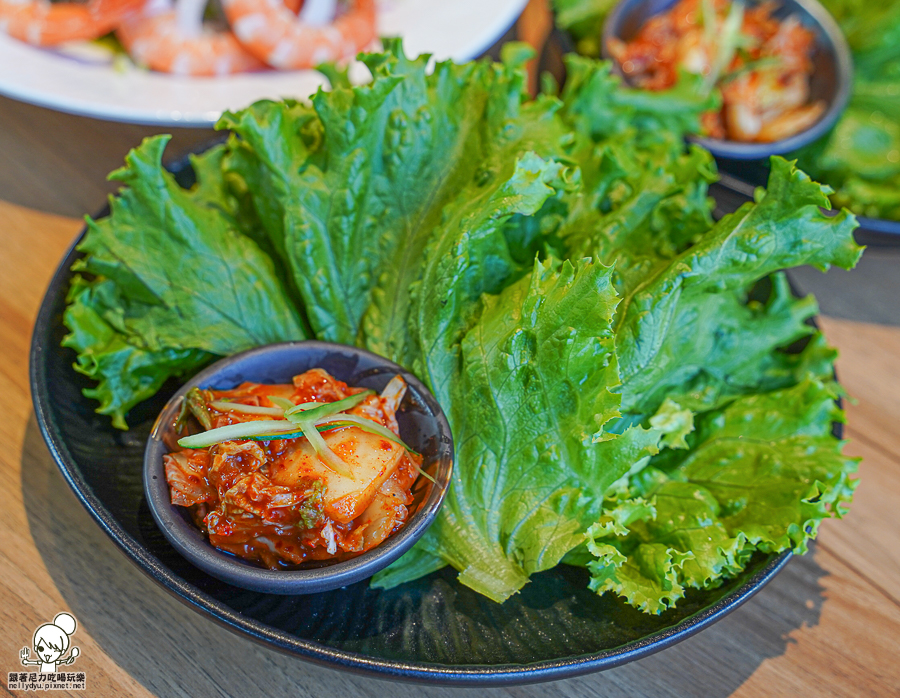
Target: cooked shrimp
{"type": "Point", "coordinates": [176, 41]}
{"type": "Point", "coordinates": [275, 35]}
{"type": "Point", "coordinates": [43, 23]}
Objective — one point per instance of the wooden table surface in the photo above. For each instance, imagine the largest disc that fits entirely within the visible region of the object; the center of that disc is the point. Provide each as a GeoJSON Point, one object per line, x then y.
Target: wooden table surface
{"type": "Point", "coordinates": [829, 624]}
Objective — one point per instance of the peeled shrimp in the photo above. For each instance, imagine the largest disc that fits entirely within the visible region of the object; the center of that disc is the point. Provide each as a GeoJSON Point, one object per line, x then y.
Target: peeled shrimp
{"type": "Point", "coordinates": [43, 23]}
{"type": "Point", "coordinates": [271, 32]}
{"type": "Point", "coordinates": [176, 41]}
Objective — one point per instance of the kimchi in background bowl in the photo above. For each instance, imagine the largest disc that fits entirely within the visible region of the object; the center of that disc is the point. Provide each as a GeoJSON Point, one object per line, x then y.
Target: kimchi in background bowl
{"type": "Point", "coordinates": [422, 425]}
{"type": "Point", "coordinates": [831, 80]}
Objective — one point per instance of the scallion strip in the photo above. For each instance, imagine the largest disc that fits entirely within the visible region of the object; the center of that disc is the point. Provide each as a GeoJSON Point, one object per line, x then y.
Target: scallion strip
{"type": "Point", "coordinates": [422, 472]}
{"type": "Point", "coordinates": [726, 45]}
{"type": "Point", "coordinates": [243, 430]}
{"type": "Point", "coordinates": [224, 406]}
{"type": "Point", "coordinates": [299, 434]}
{"type": "Point", "coordinates": [196, 401]}
{"type": "Point", "coordinates": [352, 420]}
{"type": "Point", "coordinates": [366, 425]}
{"type": "Point", "coordinates": [327, 409]}
{"type": "Point", "coordinates": [326, 455]}
{"type": "Point", "coordinates": [304, 406]}
{"type": "Point", "coordinates": [281, 402]}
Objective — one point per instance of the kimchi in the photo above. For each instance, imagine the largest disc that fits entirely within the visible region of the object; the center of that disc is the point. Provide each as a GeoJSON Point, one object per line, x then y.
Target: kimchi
{"type": "Point", "coordinates": [761, 64]}
{"type": "Point", "coordinates": [288, 473]}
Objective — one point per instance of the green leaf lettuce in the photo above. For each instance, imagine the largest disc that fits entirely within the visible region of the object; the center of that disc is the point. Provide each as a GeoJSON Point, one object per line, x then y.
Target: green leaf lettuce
{"type": "Point", "coordinates": [618, 370]}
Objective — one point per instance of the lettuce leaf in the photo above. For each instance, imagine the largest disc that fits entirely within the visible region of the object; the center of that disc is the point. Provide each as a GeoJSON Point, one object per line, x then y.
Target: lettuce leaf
{"type": "Point", "coordinates": [532, 393]}
{"type": "Point", "coordinates": [173, 283]}
{"type": "Point", "coordinates": [760, 474]}
{"type": "Point", "coordinates": [354, 187]}
{"type": "Point", "coordinates": [549, 267]}
{"type": "Point", "coordinates": [687, 331]}
{"type": "Point", "coordinates": [584, 20]}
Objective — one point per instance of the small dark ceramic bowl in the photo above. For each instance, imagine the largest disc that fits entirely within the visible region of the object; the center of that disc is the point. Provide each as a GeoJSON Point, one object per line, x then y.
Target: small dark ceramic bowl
{"type": "Point", "coordinates": [831, 81]}
{"type": "Point", "coordinates": [422, 425]}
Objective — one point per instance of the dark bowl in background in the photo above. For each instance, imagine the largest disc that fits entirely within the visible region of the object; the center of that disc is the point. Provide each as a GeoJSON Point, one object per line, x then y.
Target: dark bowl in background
{"type": "Point", "coordinates": [831, 81]}
{"type": "Point", "coordinates": [739, 177]}
{"type": "Point", "coordinates": [422, 425]}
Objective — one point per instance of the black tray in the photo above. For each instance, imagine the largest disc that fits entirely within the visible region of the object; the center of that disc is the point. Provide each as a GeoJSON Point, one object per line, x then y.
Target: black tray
{"type": "Point", "coordinates": [433, 630]}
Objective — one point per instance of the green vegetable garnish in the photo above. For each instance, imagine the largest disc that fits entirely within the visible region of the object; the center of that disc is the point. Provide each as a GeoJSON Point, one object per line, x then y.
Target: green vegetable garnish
{"type": "Point", "coordinates": [281, 402]}
{"type": "Point", "coordinates": [297, 433]}
{"type": "Point", "coordinates": [727, 39]}
{"type": "Point", "coordinates": [242, 430]}
{"type": "Point", "coordinates": [194, 403]}
{"type": "Point", "coordinates": [313, 411]}
{"type": "Point", "coordinates": [364, 424]}
{"type": "Point", "coordinates": [325, 454]}
{"type": "Point", "coordinates": [308, 416]}
{"type": "Point", "coordinates": [225, 406]}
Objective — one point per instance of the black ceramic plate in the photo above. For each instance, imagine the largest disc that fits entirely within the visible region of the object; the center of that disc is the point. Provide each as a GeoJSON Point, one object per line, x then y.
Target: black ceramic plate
{"type": "Point", "coordinates": [432, 630]}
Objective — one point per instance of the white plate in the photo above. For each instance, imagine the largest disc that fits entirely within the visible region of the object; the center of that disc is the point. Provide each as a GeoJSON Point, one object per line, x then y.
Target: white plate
{"type": "Point", "coordinates": [92, 86]}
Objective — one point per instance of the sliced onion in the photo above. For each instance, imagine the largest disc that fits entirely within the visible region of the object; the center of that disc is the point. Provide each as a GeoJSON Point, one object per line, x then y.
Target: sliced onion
{"type": "Point", "coordinates": [366, 425]}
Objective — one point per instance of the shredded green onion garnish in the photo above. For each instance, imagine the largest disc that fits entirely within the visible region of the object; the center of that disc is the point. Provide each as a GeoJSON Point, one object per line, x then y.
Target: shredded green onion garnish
{"type": "Point", "coordinates": [366, 425]}
{"type": "Point", "coordinates": [422, 472]}
{"type": "Point", "coordinates": [224, 406]}
{"type": "Point", "coordinates": [311, 418]}
{"type": "Point", "coordinates": [727, 43]}
{"type": "Point", "coordinates": [352, 420]}
{"type": "Point", "coordinates": [327, 409]}
{"type": "Point", "coordinates": [281, 402]}
{"type": "Point", "coordinates": [750, 66]}
{"type": "Point", "coordinates": [231, 432]}
{"type": "Point", "coordinates": [195, 401]}
{"type": "Point", "coordinates": [298, 433]}
{"type": "Point", "coordinates": [303, 406]}
{"type": "Point", "coordinates": [325, 454]}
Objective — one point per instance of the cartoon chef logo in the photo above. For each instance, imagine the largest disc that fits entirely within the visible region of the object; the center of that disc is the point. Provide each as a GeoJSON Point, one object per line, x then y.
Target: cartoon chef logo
{"type": "Point", "coordinates": [50, 643]}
